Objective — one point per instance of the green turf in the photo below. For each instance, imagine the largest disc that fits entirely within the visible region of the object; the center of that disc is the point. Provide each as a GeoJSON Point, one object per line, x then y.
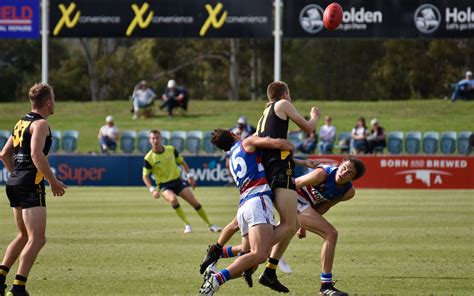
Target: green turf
{"type": "Point", "coordinates": [118, 240]}
{"type": "Point", "coordinates": [438, 115]}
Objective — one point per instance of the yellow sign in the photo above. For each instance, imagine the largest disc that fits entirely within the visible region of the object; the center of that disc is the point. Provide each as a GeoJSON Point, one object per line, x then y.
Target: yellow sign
{"type": "Point", "coordinates": [212, 18]}
{"type": "Point", "coordinates": [66, 18]}
{"type": "Point", "coordinates": [138, 19]}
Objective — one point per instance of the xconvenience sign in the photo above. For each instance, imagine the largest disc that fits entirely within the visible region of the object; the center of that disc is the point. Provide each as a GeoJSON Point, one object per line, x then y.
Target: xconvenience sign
{"type": "Point", "coordinates": [160, 18]}
{"type": "Point", "coordinates": [19, 18]}
{"type": "Point", "coordinates": [382, 18]}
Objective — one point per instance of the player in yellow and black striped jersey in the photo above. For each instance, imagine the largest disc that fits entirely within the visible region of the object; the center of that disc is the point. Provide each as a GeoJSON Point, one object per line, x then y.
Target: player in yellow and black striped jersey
{"type": "Point", "coordinates": [163, 161]}
{"type": "Point", "coordinates": [279, 170]}
{"type": "Point", "coordinates": [24, 156]}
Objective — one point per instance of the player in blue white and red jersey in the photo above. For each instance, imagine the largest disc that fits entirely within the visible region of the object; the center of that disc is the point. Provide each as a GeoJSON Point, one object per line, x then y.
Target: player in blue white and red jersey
{"type": "Point", "coordinates": [255, 213]}
{"type": "Point", "coordinates": [318, 191]}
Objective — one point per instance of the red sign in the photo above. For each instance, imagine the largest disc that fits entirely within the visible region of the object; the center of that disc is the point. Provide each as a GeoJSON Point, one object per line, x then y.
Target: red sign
{"type": "Point", "coordinates": [412, 172]}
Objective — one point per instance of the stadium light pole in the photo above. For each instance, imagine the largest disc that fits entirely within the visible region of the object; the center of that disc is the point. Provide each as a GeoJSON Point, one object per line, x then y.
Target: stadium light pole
{"type": "Point", "coordinates": [277, 37]}
{"type": "Point", "coordinates": [44, 41]}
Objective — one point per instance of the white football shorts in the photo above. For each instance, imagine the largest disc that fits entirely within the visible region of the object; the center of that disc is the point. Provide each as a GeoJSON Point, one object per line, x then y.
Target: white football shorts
{"type": "Point", "coordinates": [257, 210]}
{"type": "Point", "coordinates": [301, 204]}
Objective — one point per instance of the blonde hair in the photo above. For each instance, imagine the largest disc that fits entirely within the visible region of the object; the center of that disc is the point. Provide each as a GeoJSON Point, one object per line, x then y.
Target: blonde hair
{"type": "Point", "coordinates": [39, 93]}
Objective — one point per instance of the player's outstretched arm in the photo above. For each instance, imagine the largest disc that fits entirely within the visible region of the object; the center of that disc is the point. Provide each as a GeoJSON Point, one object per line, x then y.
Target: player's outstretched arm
{"type": "Point", "coordinates": [309, 163]}
{"type": "Point", "coordinates": [253, 142]}
{"type": "Point", "coordinates": [307, 126]}
{"type": "Point", "coordinates": [39, 131]}
{"type": "Point", "coordinates": [6, 155]}
{"type": "Point", "coordinates": [313, 178]}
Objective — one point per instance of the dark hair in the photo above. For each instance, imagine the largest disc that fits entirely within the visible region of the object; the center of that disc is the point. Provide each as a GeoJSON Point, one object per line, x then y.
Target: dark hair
{"type": "Point", "coordinates": [276, 90]}
{"type": "Point", "coordinates": [358, 165]}
{"type": "Point", "coordinates": [363, 120]}
{"type": "Point", "coordinates": [39, 93]}
{"type": "Point", "coordinates": [154, 132]}
{"type": "Point", "coordinates": [222, 138]}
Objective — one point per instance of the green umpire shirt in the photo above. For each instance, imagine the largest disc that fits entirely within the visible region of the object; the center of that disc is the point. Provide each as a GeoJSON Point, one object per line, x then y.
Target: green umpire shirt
{"type": "Point", "coordinates": [164, 165]}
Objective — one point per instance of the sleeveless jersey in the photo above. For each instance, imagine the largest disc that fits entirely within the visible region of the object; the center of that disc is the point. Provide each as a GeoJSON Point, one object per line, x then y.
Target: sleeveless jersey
{"type": "Point", "coordinates": [248, 173]}
{"type": "Point", "coordinates": [272, 126]}
{"type": "Point", "coordinates": [25, 172]}
{"type": "Point", "coordinates": [326, 191]}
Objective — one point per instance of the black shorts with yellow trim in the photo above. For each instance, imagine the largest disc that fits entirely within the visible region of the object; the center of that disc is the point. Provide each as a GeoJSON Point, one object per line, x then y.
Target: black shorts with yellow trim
{"type": "Point", "coordinates": [25, 197]}
{"type": "Point", "coordinates": [176, 186]}
{"type": "Point", "coordinates": [281, 174]}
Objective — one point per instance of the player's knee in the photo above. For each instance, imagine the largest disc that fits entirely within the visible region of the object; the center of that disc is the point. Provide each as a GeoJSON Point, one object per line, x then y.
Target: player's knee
{"type": "Point", "coordinates": [331, 234]}
{"type": "Point", "coordinates": [38, 240]}
{"type": "Point", "coordinates": [22, 236]}
{"type": "Point", "coordinates": [260, 256]}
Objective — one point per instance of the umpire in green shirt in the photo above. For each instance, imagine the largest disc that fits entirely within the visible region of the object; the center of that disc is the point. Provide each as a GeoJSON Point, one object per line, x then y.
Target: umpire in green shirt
{"type": "Point", "coordinates": [162, 162]}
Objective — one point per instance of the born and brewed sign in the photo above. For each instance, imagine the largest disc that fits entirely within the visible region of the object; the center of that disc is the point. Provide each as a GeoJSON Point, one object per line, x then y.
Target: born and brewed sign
{"type": "Point", "coordinates": [161, 18]}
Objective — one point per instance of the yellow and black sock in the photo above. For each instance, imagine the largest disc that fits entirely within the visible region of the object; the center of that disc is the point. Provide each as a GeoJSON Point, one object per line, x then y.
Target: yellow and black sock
{"type": "Point", "coordinates": [271, 267]}
{"type": "Point", "coordinates": [181, 214]}
{"type": "Point", "coordinates": [19, 283]}
{"type": "Point", "coordinates": [202, 214]}
{"type": "Point", "coordinates": [3, 274]}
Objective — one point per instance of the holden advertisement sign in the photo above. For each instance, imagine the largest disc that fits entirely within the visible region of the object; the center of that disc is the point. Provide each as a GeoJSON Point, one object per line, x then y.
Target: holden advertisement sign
{"type": "Point", "coordinates": [382, 19]}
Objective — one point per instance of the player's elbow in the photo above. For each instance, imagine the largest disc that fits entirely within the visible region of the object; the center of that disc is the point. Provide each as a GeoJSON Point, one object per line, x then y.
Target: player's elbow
{"type": "Point", "coordinates": [37, 156]}
{"type": "Point", "coordinates": [307, 128]}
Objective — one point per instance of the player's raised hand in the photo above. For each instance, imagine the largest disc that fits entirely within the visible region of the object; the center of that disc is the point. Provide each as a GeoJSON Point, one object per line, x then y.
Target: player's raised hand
{"type": "Point", "coordinates": [58, 188]}
{"type": "Point", "coordinates": [315, 112]}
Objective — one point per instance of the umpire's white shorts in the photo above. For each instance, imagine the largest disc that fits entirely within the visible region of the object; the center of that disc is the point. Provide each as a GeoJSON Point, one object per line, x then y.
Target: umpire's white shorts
{"type": "Point", "coordinates": [257, 210]}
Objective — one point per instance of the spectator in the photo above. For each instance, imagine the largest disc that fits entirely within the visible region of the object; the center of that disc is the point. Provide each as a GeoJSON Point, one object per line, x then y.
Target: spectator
{"type": "Point", "coordinates": [327, 134]}
{"type": "Point", "coordinates": [308, 145]}
{"type": "Point", "coordinates": [359, 137]}
{"type": "Point", "coordinates": [142, 100]}
{"type": "Point", "coordinates": [174, 97]}
{"type": "Point", "coordinates": [377, 136]}
{"type": "Point", "coordinates": [464, 89]}
{"type": "Point", "coordinates": [243, 128]}
{"type": "Point", "coordinates": [108, 135]}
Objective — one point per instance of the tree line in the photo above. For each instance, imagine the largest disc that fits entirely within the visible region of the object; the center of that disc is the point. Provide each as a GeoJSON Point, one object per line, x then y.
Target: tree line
{"type": "Point", "coordinates": [238, 69]}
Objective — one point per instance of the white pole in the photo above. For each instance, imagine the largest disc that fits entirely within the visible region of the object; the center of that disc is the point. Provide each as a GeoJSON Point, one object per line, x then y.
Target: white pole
{"type": "Point", "coordinates": [277, 37]}
{"type": "Point", "coordinates": [44, 41]}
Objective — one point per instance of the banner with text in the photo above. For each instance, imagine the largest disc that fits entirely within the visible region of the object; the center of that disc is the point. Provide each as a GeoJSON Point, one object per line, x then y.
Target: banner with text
{"type": "Point", "coordinates": [160, 18]}
{"type": "Point", "coordinates": [382, 19]}
{"type": "Point", "coordinates": [397, 172]}
{"type": "Point", "coordinates": [413, 172]}
{"type": "Point", "coordinates": [19, 19]}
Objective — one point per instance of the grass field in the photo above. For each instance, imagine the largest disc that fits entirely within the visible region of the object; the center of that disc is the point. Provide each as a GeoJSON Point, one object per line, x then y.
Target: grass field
{"type": "Point", "coordinates": [118, 240]}
{"type": "Point", "coordinates": [423, 115]}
